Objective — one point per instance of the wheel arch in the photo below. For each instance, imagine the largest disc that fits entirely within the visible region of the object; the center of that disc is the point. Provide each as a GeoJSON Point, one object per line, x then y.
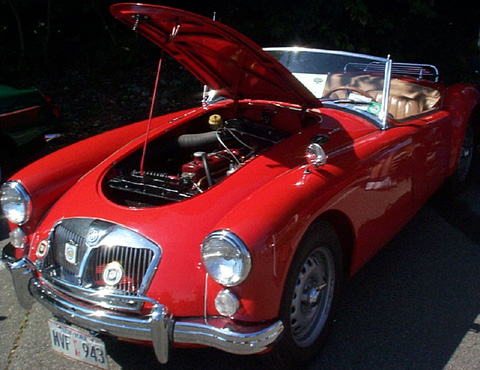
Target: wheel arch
{"type": "Point", "coordinates": [288, 353]}
{"type": "Point", "coordinates": [474, 120]}
{"type": "Point", "coordinates": [344, 230]}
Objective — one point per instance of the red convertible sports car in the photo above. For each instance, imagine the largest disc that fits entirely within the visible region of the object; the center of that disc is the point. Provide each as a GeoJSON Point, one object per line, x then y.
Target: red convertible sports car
{"type": "Point", "coordinates": [234, 225]}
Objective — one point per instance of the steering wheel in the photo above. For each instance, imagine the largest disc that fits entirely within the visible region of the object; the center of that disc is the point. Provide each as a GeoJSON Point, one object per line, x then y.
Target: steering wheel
{"type": "Point", "coordinates": [348, 88]}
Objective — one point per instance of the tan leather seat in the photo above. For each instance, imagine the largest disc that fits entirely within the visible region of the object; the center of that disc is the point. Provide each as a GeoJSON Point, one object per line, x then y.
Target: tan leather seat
{"type": "Point", "coordinates": [400, 107]}
{"type": "Point", "coordinates": [406, 98]}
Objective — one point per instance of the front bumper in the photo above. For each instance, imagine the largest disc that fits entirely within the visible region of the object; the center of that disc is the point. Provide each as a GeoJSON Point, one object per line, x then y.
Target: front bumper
{"type": "Point", "coordinates": [158, 326]}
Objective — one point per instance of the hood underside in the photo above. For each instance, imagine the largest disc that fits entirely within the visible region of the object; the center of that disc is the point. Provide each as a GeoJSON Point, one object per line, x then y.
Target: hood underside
{"type": "Point", "coordinates": [217, 55]}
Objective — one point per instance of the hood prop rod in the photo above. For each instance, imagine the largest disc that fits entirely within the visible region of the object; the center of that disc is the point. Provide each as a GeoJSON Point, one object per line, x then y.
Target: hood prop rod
{"type": "Point", "coordinates": [151, 112]}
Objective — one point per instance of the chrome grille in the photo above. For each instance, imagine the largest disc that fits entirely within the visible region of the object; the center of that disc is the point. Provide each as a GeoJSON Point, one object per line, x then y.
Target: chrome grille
{"type": "Point", "coordinates": [135, 263]}
{"type": "Point", "coordinates": [110, 243]}
{"type": "Point", "coordinates": [68, 272]}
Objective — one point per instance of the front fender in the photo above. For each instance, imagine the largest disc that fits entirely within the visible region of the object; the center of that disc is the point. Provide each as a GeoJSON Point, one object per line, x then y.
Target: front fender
{"type": "Point", "coordinates": [47, 179]}
{"type": "Point", "coordinates": [271, 222]}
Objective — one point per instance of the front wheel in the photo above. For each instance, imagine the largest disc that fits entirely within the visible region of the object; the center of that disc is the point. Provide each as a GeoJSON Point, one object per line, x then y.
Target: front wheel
{"type": "Point", "coordinates": [310, 297]}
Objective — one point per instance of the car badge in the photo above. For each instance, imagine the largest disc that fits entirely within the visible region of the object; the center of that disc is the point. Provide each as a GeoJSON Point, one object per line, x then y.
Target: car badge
{"type": "Point", "coordinates": [71, 252]}
{"type": "Point", "coordinates": [42, 249]}
{"type": "Point", "coordinates": [93, 236]}
{"type": "Point", "coordinates": [112, 274]}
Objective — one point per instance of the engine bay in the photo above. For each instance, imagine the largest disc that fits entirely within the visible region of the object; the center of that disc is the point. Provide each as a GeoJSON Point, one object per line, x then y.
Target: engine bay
{"type": "Point", "coordinates": [180, 167]}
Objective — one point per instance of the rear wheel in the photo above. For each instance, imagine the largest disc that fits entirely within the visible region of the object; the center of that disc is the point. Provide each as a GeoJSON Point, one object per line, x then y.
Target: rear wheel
{"type": "Point", "coordinates": [459, 180]}
{"type": "Point", "coordinates": [310, 297]}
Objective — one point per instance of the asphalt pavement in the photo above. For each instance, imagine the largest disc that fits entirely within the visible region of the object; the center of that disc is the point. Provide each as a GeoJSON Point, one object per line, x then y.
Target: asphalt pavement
{"type": "Point", "coordinates": [416, 305]}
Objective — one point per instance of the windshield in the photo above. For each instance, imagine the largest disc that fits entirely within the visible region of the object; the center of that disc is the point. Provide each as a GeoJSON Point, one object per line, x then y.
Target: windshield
{"type": "Point", "coordinates": [348, 80]}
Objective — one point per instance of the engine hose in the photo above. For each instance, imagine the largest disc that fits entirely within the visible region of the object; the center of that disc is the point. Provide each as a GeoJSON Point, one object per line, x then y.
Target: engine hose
{"type": "Point", "coordinates": [197, 141]}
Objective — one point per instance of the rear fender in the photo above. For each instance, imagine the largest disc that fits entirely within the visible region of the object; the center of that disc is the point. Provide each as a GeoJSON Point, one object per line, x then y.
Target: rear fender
{"type": "Point", "coordinates": [463, 103]}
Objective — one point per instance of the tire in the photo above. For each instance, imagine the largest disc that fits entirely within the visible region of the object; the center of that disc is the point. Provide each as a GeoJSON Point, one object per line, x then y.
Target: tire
{"type": "Point", "coordinates": [310, 298]}
{"type": "Point", "coordinates": [458, 181]}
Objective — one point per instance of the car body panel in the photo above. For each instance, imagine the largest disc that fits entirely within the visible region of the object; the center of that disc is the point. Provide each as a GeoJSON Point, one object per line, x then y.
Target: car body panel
{"type": "Point", "coordinates": [26, 115]}
{"type": "Point", "coordinates": [216, 54]}
{"type": "Point", "coordinates": [64, 169]}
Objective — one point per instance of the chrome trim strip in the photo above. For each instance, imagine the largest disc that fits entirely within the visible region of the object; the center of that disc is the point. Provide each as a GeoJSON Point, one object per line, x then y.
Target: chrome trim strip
{"type": "Point", "coordinates": [97, 319]}
{"type": "Point", "coordinates": [226, 339]}
{"type": "Point", "coordinates": [104, 297]}
{"type": "Point", "coordinates": [21, 272]}
{"type": "Point", "coordinates": [386, 93]}
{"type": "Point", "coordinates": [19, 111]}
{"type": "Point", "coordinates": [325, 51]}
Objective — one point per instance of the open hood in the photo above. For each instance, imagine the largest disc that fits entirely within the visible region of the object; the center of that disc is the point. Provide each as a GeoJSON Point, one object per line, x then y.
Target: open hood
{"type": "Point", "coordinates": [217, 55]}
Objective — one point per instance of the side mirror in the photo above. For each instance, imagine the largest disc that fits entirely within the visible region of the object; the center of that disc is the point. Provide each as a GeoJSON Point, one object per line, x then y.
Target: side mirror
{"type": "Point", "coordinates": [315, 156]}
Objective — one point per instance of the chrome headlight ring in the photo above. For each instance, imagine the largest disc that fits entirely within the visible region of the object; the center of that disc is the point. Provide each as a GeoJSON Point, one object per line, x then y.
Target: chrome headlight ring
{"type": "Point", "coordinates": [226, 258]}
{"type": "Point", "coordinates": [15, 202]}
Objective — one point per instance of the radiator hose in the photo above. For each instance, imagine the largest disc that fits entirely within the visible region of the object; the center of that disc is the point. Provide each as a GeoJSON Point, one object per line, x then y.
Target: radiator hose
{"type": "Point", "coordinates": [198, 141]}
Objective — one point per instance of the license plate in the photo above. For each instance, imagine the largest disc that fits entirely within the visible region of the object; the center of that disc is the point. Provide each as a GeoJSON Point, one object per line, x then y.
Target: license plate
{"type": "Point", "coordinates": [77, 344]}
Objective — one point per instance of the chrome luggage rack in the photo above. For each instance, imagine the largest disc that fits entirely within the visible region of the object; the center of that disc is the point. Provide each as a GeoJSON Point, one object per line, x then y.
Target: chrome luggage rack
{"type": "Point", "coordinates": [418, 71]}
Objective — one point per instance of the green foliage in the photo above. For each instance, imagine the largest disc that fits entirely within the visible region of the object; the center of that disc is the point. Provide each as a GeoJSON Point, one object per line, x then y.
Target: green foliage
{"type": "Point", "coordinates": [88, 61]}
{"type": "Point", "coordinates": [40, 36]}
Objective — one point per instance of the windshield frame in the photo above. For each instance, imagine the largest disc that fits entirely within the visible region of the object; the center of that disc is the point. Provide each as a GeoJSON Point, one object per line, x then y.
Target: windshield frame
{"type": "Point", "coordinates": [381, 66]}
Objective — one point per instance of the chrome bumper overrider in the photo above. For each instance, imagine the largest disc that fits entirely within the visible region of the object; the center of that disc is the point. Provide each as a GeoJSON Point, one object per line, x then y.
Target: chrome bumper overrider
{"type": "Point", "coordinates": [159, 327]}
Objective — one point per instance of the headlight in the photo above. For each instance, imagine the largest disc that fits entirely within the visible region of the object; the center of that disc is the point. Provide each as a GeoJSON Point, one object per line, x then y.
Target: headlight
{"type": "Point", "coordinates": [16, 204]}
{"type": "Point", "coordinates": [226, 258]}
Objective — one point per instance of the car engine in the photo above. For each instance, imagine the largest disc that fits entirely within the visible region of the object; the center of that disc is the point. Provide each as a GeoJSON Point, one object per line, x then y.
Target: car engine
{"type": "Point", "coordinates": [208, 158]}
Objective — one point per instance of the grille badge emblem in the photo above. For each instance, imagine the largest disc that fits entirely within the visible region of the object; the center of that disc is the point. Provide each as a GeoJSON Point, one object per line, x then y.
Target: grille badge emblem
{"type": "Point", "coordinates": [93, 236]}
{"type": "Point", "coordinates": [71, 250]}
{"type": "Point", "coordinates": [42, 249]}
{"type": "Point", "coordinates": [112, 274]}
